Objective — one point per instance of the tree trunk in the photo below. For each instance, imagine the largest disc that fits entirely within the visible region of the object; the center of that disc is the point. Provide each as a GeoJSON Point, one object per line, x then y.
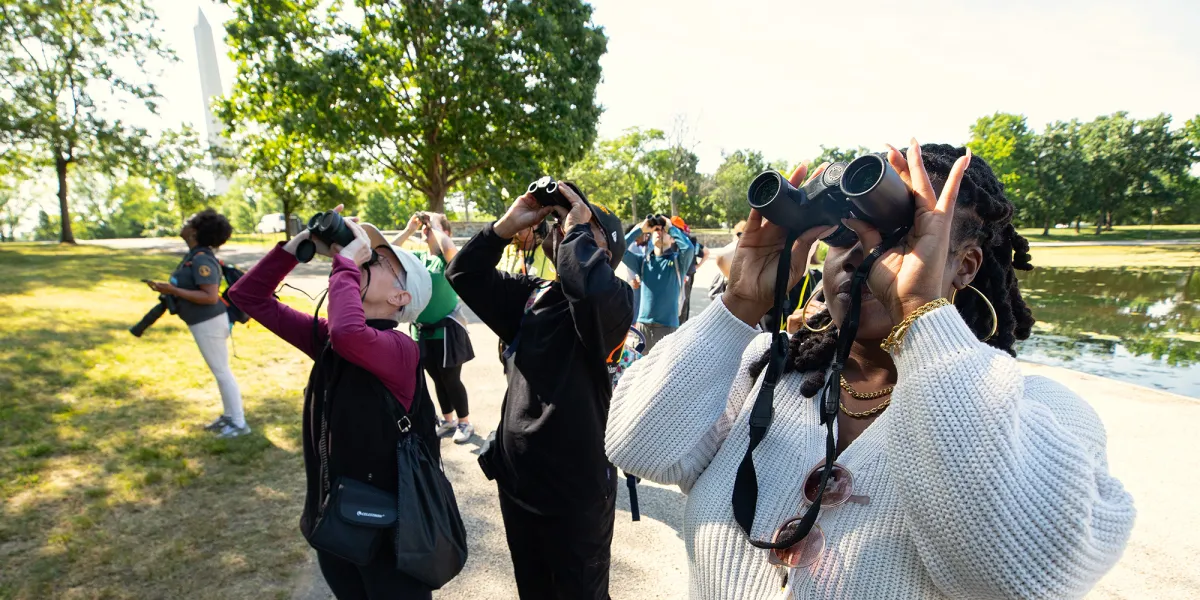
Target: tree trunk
{"type": "Point", "coordinates": [287, 220]}
{"type": "Point", "coordinates": [633, 204]}
{"type": "Point", "coordinates": [1108, 219]}
{"type": "Point", "coordinates": [1046, 226]}
{"type": "Point", "coordinates": [674, 205]}
{"type": "Point", "coordinates": [437, 198]}
{"type": "Point", "coordinates": [60, 168]}
{"type": "Point", "coordinates": [1099, 222]}
{"type": "Point", "coordinates": [1077, 221]}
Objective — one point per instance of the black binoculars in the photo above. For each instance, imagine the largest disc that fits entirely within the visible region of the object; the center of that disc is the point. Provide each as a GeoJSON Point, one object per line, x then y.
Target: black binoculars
{"type": "Point", "coordinates": [866, 188]}
{"type": "Point", "coordinates": [329, 227]}
{"type": "Point", "coordinates": [658, 221]}
{"type": "Point", "coordinates": [545, 191]}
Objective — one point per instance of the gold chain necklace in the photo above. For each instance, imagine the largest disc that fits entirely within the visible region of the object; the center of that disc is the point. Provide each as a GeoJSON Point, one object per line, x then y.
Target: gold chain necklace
{"type": "Point", "coordinates": [864, 396]}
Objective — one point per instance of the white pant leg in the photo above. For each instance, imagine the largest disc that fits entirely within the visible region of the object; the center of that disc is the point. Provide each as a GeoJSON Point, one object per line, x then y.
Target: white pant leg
{"type": "Point", "coordinates": [210, 338]}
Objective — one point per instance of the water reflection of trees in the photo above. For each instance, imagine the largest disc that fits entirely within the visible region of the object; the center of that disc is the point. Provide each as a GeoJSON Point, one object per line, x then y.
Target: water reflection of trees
{"type": "Point", "coordinates": [1149, 312]}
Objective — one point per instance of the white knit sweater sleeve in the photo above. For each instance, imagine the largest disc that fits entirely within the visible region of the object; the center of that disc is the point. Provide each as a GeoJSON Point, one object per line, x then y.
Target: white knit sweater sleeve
{"type": "Point", "coordinates": [1003, 478]}
{"type": "Point", "coordinates": [673, 408]}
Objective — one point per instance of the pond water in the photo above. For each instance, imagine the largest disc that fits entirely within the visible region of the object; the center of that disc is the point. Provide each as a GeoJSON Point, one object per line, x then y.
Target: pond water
{"type": "Point", "coordinates": [1139, 325]}
{"type": "Point", "coordinates": [1134, 324]}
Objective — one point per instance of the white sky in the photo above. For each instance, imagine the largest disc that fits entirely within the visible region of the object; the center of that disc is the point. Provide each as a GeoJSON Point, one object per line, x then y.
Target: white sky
{"type": "Point", "coordinates": [784, 77]}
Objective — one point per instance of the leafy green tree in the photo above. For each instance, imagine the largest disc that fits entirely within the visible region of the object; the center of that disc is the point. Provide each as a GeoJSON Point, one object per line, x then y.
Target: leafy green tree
{"type": "Point", "coordinates": [12, 204]}
{"type": "Point", "coordinates": [295, 171]}
{"type": "Point", "coordinates": [619, 172]}
{"type": "Point", "coordinates": [1161, 158]}
{"type": "Point", "coordinates": [54, 56]}
{"type": "Point", "coordinates": [174, 162]}
{"type": "Point", "coordinates": [1005, 141]}
{"type": "Point", "coordinates": [389, 206]}
{"type": "Point", "coordinates": [1056, 178]}
{"type": "Point", "coordinates": [730, 182]}
{"type": "Point", "coordinates": [47, 228]}
{"type": "Point", "coordinates": [676, 181]}
{"type": "Point", "coordinates": [427, 92]}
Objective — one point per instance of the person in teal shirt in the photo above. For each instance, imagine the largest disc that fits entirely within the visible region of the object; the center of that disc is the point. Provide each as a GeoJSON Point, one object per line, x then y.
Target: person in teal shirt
{"type": "Point", "coordinates": [441, 329]}
{"type": "Point", "coordinates": [661, 270]}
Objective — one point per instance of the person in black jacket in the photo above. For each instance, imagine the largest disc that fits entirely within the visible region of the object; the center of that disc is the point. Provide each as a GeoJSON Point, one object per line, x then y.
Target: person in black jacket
{"type": "Point", "coordinates": [557, 488]}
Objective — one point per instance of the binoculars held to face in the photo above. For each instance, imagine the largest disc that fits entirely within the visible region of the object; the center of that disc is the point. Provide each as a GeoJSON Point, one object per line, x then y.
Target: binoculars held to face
{"type": "Point", "coordinates": [658, 221]}
{"type": "Point", "coordinates": [545, 192]}
{"type": "Point", "coordinates": [329, 227]}
{"type": "Point", "coordinates": [866, 188]}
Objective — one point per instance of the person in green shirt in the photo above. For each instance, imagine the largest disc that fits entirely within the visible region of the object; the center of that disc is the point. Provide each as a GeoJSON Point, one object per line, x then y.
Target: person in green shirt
{"type": "Point", "coordinates": [441, 329]}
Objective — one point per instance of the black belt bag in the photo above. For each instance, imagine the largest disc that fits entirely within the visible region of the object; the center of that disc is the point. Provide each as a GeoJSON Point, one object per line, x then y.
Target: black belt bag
{"type": "Point", "coordinates": [353, 520]}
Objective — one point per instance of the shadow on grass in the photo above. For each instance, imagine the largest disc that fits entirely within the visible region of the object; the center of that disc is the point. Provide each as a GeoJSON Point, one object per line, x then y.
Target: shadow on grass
{"type": "Point", "coordinates": [110, 487]}
{"type": "Point", "coordinates": [29, 267]}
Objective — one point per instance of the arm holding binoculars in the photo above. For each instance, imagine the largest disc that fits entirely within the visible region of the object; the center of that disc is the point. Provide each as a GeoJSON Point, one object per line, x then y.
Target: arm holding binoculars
{"type": "Point", "coordinates": [632, 259]}
{"type": "Point", "coordinates": [414, 223]}
{"type": "Point", "coordinates": [751, 290]}
{"type": "Point", "coordinates": [254, 293]}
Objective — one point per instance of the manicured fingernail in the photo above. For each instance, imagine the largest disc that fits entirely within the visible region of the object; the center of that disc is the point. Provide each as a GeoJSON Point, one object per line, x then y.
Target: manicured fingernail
{"type": "Point", "coordinates": [969, 154]}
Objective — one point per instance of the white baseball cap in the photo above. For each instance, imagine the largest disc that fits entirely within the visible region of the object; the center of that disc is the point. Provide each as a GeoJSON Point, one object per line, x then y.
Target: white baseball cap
{"type": "Point", "coordinates": [415, 277]}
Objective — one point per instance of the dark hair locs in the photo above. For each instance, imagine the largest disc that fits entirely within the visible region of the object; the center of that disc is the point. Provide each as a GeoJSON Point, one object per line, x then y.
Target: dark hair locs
{"type": "Point", "coordinates": [212, 228]}
{"type": "Point", "coordinates": [982, 215]}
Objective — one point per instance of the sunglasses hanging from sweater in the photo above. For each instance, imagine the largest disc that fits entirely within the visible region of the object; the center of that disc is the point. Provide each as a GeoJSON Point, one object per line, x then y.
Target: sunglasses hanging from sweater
{"type": "Point", "coordinates": [745, 487]}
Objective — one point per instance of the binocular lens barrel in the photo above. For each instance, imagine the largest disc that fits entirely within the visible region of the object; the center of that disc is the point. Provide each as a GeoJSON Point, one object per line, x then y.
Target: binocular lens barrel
{"type": "Point", "coordinates": [878, 194]}
{"type": "Point", "coordinates": [763, 190]}
{"type": "Point", "coordinates": [867, 188]}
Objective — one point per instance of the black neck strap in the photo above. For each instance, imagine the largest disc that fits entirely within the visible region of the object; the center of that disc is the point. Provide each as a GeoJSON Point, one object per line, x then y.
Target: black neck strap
{"type": "Point", "coordinates": [745, 487]}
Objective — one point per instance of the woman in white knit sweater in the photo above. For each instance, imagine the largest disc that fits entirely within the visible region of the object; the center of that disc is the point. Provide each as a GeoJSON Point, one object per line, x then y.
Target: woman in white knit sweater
{"type": "Point", "coordinates": [969, 480]}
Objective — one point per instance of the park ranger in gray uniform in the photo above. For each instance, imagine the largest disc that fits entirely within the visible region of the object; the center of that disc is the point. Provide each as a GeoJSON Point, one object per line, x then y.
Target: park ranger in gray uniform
{"type": "Point", "coordinates": [196, 284]}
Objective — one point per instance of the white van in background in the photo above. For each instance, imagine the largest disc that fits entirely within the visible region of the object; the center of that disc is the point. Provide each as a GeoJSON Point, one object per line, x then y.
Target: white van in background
{"type": "Point", "coordinates": [274, 223]}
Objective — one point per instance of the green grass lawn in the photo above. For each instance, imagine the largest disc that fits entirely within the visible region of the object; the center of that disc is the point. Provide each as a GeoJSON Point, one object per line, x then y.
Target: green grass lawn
{"type": "Point", "coordinates": [109, 488]}
{"type": "Point", "coordinates": [1107, 257]}
{"type": "Point", "coordinates": [1119, 233]}
{"type": "Point", "coordinates": [257, 239]}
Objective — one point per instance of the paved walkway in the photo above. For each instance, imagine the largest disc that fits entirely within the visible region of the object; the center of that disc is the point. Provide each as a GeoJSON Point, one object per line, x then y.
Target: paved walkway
{"type": "Point", "coordinates": [1151, 448]}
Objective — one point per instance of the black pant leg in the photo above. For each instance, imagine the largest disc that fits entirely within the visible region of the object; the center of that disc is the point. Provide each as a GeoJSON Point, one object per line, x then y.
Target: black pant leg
{"type": "Point", "coordinates": [456, 392]}
{"type": "Point", "coordinates": [447, 382]}
{"type": "Point", "coordinates": [529, 554]}
{"type": "Point", "coordinates": [581, 552]}
{"type": "Point", "coordinates": [342, 577]}
{"type": "Point", "coordinates": [383, 582]}
{"type": "Point", "coordinates": [432, 361]}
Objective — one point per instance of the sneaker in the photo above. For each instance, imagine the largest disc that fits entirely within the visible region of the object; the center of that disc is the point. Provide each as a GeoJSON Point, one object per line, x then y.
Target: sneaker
{"type": "Point", "coordinates": [445, 428]}
{"type": "Point", "coordinates": [231, 431]}
{"type": "Point", "coordinates": [218, 424]}
{"type": "Point", "coordinates": [464, 433]}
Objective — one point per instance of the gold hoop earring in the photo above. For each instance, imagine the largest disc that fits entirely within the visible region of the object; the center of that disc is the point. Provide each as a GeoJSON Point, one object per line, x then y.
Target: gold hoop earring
{"type": "Point", "coordinates": [804, 320]}
{"type": "Point", "coordinates": [991, 309]}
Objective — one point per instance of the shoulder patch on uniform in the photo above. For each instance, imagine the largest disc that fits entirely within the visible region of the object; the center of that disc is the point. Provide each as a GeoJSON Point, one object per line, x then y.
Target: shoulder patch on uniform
{"type": "Point", "coordinates": [205, 270]}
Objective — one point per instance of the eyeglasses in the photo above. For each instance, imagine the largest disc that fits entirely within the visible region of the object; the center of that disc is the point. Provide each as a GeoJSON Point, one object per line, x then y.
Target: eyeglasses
{"type": "Point", "coordinates": [377, 258]}
{"type": "Point", "coordinates": [837, 492]}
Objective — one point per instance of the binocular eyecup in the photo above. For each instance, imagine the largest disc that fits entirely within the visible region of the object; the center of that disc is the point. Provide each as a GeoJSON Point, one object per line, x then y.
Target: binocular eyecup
{"type": "Point", "coordinates": [329, 227]}
{"type": "Point", "coordinates": [545, 192]}
{"type": "Point", "coordinates": [659, 221]}
{"type": "Point", "coordinates": [866, 188]}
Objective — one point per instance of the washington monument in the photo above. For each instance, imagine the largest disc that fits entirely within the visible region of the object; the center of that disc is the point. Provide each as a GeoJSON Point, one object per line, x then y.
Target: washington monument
{"type": "Point", "coordinates": [210, 86]}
